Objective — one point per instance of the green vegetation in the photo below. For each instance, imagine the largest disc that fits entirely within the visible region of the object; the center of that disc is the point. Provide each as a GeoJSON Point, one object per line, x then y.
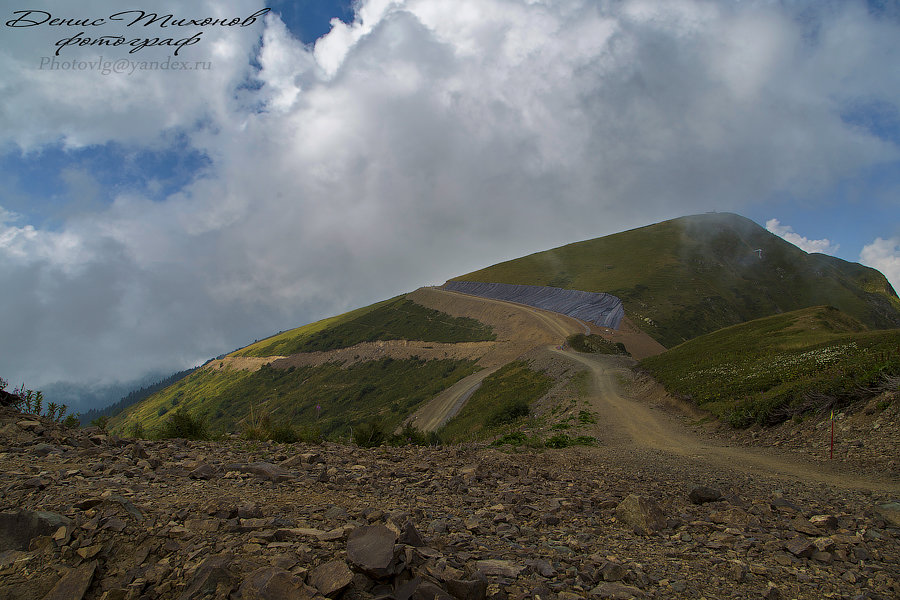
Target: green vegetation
{"type": "Point", "coordinates": [373, 433]}
{"type": "Point", "coordinates": [686, 277]}
{"type": "Point", "coordinates": [563, 441]}
{"type": "Point", "coordinates": [346, 397]}
{"type": "Point", "coordinates": [32, 402]}
{"type": "Point", "coordinates": [260, 427]}
{"type": "Point", "coordinates": [768, 370]}
{"type": "Point", "coordinates": [520, 438]}
{"type": "Point", "coordinates": [503, 399]}
{"type": "Point", "coordinates": [396, 319]}
{"type": "Point", "coordinates": [586, 418]}
{"type": "Point", "coordinates": [595, 344]}
{"type": "Point", "coordinates": [182, 424]}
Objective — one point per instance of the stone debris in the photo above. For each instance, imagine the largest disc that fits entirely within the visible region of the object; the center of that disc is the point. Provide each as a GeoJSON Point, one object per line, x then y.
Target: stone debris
{"type": "Point", "coordinates": [126, 520]}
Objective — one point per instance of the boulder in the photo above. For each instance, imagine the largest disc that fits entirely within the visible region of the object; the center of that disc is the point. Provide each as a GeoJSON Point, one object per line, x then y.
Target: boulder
{"type": "Point", "coordinates": [331, 578]}
{"type": "Point", "coordinates": [890, 512]}
{"type": "Point", "coordinates": [643, 514]}
{"type": "Point", "coordinates": [371, 550]}
{"type": "Point", "coordinates": [73, 584]}
{"type": "Point", "coordinates": [274, 583]}
{"type": "Point", "coordinates": [702, 494]}
{"type": "Point", "coordinates": [212, 573]}
{"type": "Point", "coordinates": [19, 527]}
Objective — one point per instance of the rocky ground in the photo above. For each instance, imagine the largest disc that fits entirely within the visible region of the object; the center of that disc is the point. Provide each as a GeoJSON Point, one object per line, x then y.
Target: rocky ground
{"type": "Point", "coordinates": [86, 515]}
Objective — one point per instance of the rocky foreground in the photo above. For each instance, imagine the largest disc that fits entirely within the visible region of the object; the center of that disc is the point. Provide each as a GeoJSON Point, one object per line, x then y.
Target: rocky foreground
{"type": "Point", "coordinates": [87, 515]}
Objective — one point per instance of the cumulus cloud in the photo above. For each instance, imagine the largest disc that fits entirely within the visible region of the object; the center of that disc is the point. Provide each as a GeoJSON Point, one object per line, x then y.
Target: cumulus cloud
{"type": "Point", "coordinates": [884, 255]}
{"type": "Point", "coordinates": [423, 140]}
{"type": "Point", "coordinates": [823, 246]}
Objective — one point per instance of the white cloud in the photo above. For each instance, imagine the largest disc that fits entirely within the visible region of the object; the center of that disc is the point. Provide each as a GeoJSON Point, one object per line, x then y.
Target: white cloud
{"type": "Point", "coordinates": [884, 255]}
{"type": "Point", "coordinates": [48, 99]}
{"type": "Point", "coordinates": [823, 246]}
{"type": "Point", "coordinates": [421, 141]}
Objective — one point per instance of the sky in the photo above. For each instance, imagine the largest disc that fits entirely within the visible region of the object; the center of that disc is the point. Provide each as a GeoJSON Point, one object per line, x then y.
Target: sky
{"type": "Point", "coordinates": [232, 172]}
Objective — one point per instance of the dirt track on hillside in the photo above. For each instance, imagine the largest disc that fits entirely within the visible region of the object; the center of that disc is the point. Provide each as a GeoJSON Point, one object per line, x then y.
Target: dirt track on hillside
{"type": "Point", "coordinates": [635, 422]}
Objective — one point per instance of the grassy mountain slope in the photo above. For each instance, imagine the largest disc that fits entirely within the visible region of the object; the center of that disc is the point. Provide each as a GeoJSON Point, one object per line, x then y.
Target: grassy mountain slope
{"type": "Point", "coordinates": [394, 319]}
{"type": "Point", "coordinates": [682, 278]}
{"type": "Point", "coordinates": [387, 389]}
{"type": "Point", "coordinates": [766, 370]}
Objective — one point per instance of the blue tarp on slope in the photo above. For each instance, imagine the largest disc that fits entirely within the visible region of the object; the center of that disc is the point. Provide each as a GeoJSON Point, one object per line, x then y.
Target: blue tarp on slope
{"type": "Point", "coordinates": [604, 310]}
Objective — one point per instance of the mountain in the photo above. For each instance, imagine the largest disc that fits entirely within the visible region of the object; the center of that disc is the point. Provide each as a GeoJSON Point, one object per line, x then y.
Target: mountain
{"type": "Point", "coordinates": [424, 356]}
{"type": "Point", "coordinates": [689, 276]}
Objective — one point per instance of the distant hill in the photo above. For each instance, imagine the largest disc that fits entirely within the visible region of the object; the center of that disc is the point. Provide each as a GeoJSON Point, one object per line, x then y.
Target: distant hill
{"type": "Point", "coordinates": [689, 276]}
{"type": "Point", "coordinates": [133, 397]}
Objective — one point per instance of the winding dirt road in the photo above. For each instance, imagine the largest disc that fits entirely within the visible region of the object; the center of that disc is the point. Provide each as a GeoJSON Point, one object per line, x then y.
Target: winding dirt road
{"type": "Point", "coordinates": [632, 422]}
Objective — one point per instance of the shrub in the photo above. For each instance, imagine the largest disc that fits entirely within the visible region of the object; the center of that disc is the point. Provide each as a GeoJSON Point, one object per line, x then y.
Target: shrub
{"type": "Point", "coordinates": [559, 440]}
{"type": "Point", "coordinates": [182, 424]}
{"type": "Point", "coordinates": [369, 434]}
{"type": "Point", "coordinates": [409, 435]}
{"type": "Point", "coordinates": [135, 430]}
{"type": "Point", "coordinates": [102, 421]}
{"type": "Point", "coordinates": [516, 438]}
{"type": "Point", "coordinates": [508, 413]}
{"type": "Point", "coordinates": [283, 434]}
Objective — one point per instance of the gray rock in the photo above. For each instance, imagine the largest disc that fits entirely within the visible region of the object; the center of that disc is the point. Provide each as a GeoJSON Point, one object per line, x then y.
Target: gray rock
{"type": "Point", "coordinates": [264, 470]}
{"type": "Point", "coordinates": [73, 584]}
{"type": "Point", "coordinates": [212, 573]}
{"type": "Point", "coordinates": [273, 583]}
{"type": "Point", "coordinates": [800, 547]}
{"type": "Point", "coordinates": [702, 494]}
{"type": "Point", "coordinates": [505, 568]}
{"type": "Point", "coordinates": [468, 589]}
{"type": "Point", "coordinates": [611, 571]}
{"type": "Point", "coordinates": [890, 512]}
{"type": "Point", "coordinates": [616, 591]}
{"type": "Point", "coordinates": [331, 578]}
{"type": "Point", "coordinates": [643, 514]}
{"type": "Point", "coordinates": [19, 527]}
{"type": "Point", "coordinates": [411, 537]}
{"type": "Point", "coordinates": [203, 471]}
{"type": "Point", "coordinates": [371, 550]}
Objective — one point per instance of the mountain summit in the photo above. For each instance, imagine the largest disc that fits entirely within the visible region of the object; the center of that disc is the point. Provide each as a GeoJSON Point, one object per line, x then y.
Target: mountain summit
{"type": "Point", "coordinates": [682, 278]}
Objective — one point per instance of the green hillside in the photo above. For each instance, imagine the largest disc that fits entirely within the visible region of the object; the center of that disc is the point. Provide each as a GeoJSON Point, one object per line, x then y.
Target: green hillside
{"type": "Point", "coordinates": [388, 389]}
{"type": "Point", "coordinates": [394, 319]}
{"type": "Point", "coordinates": [689, 276]}
{"type": "Point", "coordinates": [768, 369]}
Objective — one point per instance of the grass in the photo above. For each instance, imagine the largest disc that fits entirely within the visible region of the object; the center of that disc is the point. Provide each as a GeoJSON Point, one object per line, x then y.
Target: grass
{"type": "Point", "coordinates": [502, 400]}
{"type": "Point", "coordinates": [389, 389]}
{"type": "Point", "coordinates": [770, 369]}
{"type": "Point", "coordinates": [395, 319]}
{"type": "Point", "coordinates": [690, 276]}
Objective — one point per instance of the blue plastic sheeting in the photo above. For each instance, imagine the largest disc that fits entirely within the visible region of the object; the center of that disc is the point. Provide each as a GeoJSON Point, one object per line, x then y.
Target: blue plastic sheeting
{"type": "Point", "coordinates": [604, 310]}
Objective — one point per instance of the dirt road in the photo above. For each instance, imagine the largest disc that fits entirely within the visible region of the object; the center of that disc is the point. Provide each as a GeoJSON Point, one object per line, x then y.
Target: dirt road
{"type": "Point", "coordinates": [628, 422]}
{"type": "Point", "coordinates": [519, 329]}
